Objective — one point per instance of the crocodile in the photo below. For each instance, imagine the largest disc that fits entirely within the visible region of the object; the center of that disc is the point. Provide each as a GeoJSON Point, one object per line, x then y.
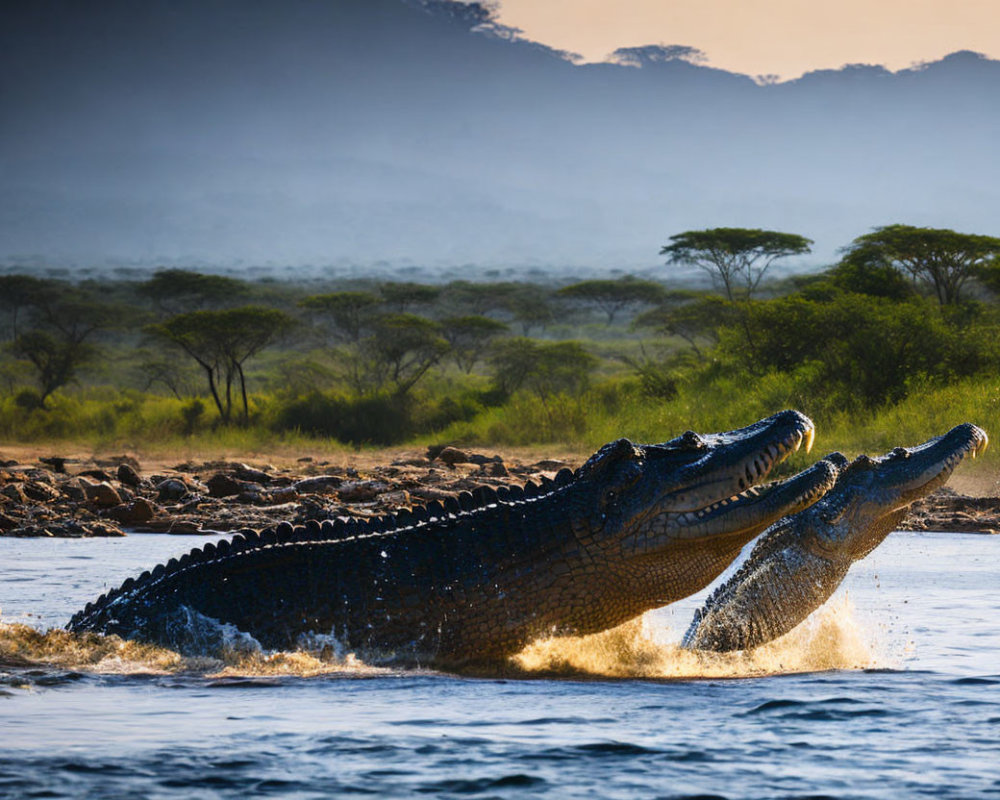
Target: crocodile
{"type": "Point", "coordinates": [800, 561]}
{"type": "Point", "coordinates": [476, 578]}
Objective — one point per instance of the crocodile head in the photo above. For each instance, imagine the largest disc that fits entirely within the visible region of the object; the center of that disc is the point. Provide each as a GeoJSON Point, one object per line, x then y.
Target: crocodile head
{"type": "Point", "coordinates": [798, 564]}
{"type": "Point", "coordinates": [872, 495]}
{"type": "Point", "coordinates": [676, 513]}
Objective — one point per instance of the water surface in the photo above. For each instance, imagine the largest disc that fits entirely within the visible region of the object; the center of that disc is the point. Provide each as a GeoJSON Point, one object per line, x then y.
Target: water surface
{"type": "Point", "coordinates": [892, 691]}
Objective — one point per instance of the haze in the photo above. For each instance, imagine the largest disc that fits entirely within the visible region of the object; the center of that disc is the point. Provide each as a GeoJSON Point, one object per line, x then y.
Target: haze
{"type": "Point", "coordinates": [384, 135]}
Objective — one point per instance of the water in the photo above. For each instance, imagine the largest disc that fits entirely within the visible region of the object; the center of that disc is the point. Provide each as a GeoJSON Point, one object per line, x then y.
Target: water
{"type": "Point", "coordinates": [893, 691]}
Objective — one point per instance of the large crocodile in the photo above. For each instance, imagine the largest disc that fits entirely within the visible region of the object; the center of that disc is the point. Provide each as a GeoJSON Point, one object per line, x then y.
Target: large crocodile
{"type": "Point", "coordinates": [475, 579]}
{"type": "Point", "coordinates": [801, 560]}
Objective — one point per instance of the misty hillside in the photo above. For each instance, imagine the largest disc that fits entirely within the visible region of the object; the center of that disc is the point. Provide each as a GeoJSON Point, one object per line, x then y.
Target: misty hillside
{"type": "Point", "coordinates": [363, 131]}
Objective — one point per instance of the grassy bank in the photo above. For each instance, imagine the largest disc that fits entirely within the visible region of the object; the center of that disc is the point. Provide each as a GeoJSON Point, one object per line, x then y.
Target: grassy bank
{"type": "Point", "coordinates": [103, 420]}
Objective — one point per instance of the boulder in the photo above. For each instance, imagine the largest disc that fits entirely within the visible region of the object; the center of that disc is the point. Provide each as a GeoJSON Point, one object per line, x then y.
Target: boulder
{"type": "Point", "coordinates": [128, 475]}
{"type": "Point", "coordinates": [248, 473]}
{"type": "Point", "coordinates": [138, 511]}
{"type": "Point", "coordinates": [452, 456]}
{"type": "Point", "coordinates": [222, 484]}
{"type": "Point", "coordinates": [101, 494]}
{"type": "Point", "coordinates": [171, 489]}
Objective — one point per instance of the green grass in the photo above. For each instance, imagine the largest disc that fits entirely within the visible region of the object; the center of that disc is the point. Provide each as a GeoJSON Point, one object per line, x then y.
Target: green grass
{"type": "Point", "coordinates": [106, 419]}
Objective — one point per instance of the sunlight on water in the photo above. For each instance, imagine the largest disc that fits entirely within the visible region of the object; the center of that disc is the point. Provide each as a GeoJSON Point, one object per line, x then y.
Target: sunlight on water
{"type": "Point", "coordinates": [830, 639]}
{"type": "Point", "coordinates": [24, 646]}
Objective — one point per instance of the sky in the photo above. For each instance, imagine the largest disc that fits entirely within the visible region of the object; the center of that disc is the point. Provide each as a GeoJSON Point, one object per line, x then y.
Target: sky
{"type": "Point", "coordinates": [767, 37]}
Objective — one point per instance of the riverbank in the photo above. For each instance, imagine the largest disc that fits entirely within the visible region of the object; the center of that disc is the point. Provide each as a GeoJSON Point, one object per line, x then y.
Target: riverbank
{"type": "Point", "coordinates": [84, 495]}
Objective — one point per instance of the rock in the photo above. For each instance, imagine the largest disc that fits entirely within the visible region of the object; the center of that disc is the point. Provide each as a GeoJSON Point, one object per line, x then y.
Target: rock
{"type": "Point", "coordinates": [417, 461]}
{"type": "Point", "coordinates": [171, 489]}
{"type": "Point", "coordinates": [117, 461]}
{"type": "Point", "coordinates": [452, 456]}
{"type": "Point", "coordinates": [55, 463]}
{"type": "Point", "coordinates": [102, 529]}
{"type": "Point", "coordinates": [395, 499]}
{"type": "Point", "coordinates": [549, 465]}
{"type": "Point", "coordinates": [247, 473]}
{"type": "Point", "coordinates": [97, 474]}
{"type": "Point", "coordinates": [321, 484]}
{"type": "Point", "coordinates": [8, 523]}
{"type": "Point", "coordinates": [361, 491]}
{"type": "Point", "coordinates": [72, 491]}
{"type": "Point", "coordinates": [285, 494]}
{"type": "Point", "coordinates": [495, 469]}
{"type": "Point", "coordinates": [223, 485]}
{"type": "Point", "coordinates": [481, 459]}
{"type": "Point", "coordinates": [128, 476]}
{"type": "Point", "coordinates": [430, 493]}
{"type": "Point", "coordinates": [250, 494]}
{"type": "Point", "coordinates": [41, 492]}
{"type": "Point", "coordinates": [15, 492]}
{"type": "Point", "coordinates": [101, 494]}
{"type": "Point", "coordinates": [138, 511]}
{"type": "Point", "coordinates": [185, 526]}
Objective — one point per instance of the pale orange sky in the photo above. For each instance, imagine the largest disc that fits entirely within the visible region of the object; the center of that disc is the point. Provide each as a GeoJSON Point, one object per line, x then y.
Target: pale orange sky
{"type": "Point", "coordinates": [755, 37]}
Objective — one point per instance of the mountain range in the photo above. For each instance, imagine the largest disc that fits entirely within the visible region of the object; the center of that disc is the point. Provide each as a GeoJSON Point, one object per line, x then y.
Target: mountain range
{"type": "Point", "coordinates": [417, 134]}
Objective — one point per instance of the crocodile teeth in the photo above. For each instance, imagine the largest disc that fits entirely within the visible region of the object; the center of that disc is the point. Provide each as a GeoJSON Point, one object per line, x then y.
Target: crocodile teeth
{"type": "Point", "coordinates": [809, 436]}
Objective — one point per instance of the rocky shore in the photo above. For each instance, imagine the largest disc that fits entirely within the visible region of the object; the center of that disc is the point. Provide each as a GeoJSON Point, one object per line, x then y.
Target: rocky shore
{"type": "Point", "coordinates": [66, 497]}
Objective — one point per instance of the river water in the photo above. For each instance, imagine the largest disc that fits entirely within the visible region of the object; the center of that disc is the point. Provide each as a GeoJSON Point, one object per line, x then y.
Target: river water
{"type": "Point", "coordinates": [891, 690]}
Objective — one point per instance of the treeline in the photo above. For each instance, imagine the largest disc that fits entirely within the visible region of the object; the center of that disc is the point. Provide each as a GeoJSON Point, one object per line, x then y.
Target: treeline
{"type": "Point", "coordinates": [905, 309]}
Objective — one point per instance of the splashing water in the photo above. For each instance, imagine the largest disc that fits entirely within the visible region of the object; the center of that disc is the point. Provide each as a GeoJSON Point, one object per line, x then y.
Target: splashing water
{"type": "Point", "coordinates": [233, 656]}
{"type": "Point", "coordinates": [830, 639]}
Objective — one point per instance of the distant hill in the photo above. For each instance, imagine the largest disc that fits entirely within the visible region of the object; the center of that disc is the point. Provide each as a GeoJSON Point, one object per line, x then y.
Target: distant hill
{"type": "Point", "coordinates": [360, 131]}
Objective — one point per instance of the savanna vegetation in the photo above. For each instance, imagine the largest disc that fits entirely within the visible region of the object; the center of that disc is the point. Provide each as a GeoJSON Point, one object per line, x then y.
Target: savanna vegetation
{"type": "Point", "coordinates": [897, 341]}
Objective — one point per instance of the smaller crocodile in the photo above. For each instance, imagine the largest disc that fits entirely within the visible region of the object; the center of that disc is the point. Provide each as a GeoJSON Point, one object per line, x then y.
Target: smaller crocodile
{"type": "Point", "coordinates": [800, 561]}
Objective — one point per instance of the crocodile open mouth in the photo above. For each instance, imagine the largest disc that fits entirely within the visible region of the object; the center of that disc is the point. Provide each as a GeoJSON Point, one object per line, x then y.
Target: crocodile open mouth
{"type": "Point", "coordinates": [739, 461]}
{"type": "Point", "coordinates": [759, 505]}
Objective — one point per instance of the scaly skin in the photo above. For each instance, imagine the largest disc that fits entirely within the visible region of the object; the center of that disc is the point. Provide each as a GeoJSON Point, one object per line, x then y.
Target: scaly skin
{"type": "Point", "coordinates": [800, 561]}
{"type": "Point", "coordinates": [475, 580]}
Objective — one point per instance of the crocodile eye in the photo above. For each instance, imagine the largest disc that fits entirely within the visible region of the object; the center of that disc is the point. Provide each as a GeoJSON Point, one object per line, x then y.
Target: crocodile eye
{"type": "Point", "coordinates": [692, 441]}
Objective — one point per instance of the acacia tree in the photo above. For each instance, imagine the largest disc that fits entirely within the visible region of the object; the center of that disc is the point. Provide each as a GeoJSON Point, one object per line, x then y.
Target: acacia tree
{"type": "Point", "coordinates": [545, 369]}
{"type": "Point", "coordinates": [175, 291]}
{"type": "Point", "coordinates": [613, 296]}
{"type": "Point", "coordinates": [939, 257]}
{"type": "Point", "coordinates": [469, 337]}
{"type": "Point", "coordinates": [63, 321]}
{"type": "Point", "coordinates": [402, 295]}
{"type": "Point", "coordinates": [21, 293]}
{"type": "Point", "coordinates": [221, 342]}
{"type": "Point", "coordinates": [347, 312]}
{"type": "Point", "coordinates": [694, 317]}
{"type": "Point", "coordinates": [736, 258]}
{"type": "Point", "coordinates": [400, 350]}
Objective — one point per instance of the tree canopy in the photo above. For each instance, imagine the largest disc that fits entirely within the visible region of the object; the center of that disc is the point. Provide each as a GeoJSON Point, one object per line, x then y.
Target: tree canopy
{"type": "Point", "coordinates": [736, 258]}
{"type": "Point", "coordinates": [221, 342]}
{"type": "Point", "coordinates": [348, 312]}
{"type": "Point", "coordinates": [942, 258]}
{"type": "Point", "coordinates": [613, 296]}
{"type": "Point", "coordinates": [176, 291]}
